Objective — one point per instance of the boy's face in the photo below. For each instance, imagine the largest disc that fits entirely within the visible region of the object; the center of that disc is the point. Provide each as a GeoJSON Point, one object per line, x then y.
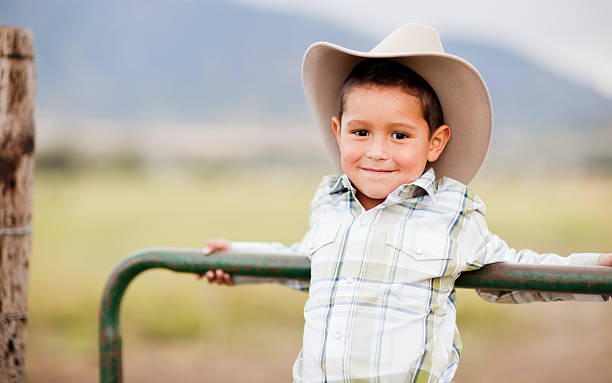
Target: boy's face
{"type": "Point", "coordinates": [384, 141]}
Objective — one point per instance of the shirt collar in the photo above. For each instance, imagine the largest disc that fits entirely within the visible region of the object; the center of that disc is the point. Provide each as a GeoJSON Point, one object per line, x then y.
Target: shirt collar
{"type": "Point", "coordinates": [425, 183]}
{"type": "Point", "coordinates": [342, 185]}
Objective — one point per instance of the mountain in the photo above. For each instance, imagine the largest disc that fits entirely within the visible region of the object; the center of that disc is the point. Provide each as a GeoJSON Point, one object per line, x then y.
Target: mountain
{"type": "Point", "coordinates": [221, 61]}
{"type": "Point", "coordinates": [526, 94]}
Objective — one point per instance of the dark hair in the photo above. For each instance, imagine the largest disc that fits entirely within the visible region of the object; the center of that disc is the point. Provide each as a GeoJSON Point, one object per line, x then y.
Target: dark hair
{"type": "Point", "coordinates": [385, 72]}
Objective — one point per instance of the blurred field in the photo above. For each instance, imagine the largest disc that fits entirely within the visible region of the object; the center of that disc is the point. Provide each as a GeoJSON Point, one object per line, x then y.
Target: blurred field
{"type": "Point", "coordinates": [176, 327]}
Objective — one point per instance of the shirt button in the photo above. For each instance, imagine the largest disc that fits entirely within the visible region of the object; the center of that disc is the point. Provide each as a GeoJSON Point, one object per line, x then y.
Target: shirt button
{"type": "Point", "coordinates": [311, 247]}
{"type": "Point", "coordinates": [349, 280]}
{"type": "Point", "coordinates": [338, 335]}
{"type": "Point", "coordinates": [419, 251]}
{"type": "Point", "coordinates": [363, 222]}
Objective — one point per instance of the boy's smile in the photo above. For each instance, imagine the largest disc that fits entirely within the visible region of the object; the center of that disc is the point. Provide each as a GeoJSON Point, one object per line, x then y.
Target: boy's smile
{"type": "Point", "coordinates": [384, 141]}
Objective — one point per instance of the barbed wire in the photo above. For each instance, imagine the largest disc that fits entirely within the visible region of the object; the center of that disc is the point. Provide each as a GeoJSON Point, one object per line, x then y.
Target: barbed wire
{"type": "Point", "coordinates": [16, 230]}
{"type": "Point", "coordinates": [11, 317]}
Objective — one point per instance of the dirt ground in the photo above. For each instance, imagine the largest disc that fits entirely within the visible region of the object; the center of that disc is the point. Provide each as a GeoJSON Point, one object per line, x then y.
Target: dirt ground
{"type": "Point", "coordinates": [560, 342]}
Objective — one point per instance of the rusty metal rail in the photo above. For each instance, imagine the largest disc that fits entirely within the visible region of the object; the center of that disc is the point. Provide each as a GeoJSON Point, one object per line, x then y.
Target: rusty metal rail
{"type": "Point", "coordinates": [499, 276]}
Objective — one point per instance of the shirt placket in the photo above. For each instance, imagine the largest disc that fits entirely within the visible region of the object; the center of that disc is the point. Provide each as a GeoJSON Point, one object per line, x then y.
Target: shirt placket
{"type": "Point", "coordinates": [359, 241]}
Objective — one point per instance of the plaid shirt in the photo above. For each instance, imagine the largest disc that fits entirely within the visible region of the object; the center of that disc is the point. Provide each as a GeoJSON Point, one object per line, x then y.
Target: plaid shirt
{"type": "Point", "coordinates": [382, 304]}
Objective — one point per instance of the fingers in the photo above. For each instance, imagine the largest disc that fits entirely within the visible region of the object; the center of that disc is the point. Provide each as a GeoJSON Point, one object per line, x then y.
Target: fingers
{"type": "Point", "coordinates": [222, 278]}
{"type": "Point", "coordinates": [216, 244]}
{"type": "Point", "coordinates": [219, 274]}
{"type": "Point", "coordinates": [219, 277]}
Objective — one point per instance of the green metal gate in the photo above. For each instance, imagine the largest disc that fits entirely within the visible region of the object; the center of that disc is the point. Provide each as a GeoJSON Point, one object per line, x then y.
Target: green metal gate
{"type": "Point", "coordinates": [499, 276]}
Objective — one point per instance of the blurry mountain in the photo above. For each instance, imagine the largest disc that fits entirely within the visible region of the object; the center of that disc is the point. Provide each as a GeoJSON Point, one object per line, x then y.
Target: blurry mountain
{"type": "Point", "coordinates": [525, 94]}
{"type": "Point", "coordinates": [212, 60]}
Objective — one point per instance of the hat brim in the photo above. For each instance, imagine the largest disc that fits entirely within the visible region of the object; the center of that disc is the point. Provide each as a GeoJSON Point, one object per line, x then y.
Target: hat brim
{"type": "Point", "coordinates": [462, 93]}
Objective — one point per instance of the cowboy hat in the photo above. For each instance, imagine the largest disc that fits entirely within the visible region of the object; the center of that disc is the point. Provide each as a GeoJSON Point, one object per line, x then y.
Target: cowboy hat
{"type": "Point", "coordinates": [463, 95]}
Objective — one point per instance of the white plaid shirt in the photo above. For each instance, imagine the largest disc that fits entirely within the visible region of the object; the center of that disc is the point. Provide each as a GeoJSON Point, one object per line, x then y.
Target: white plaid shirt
{"type": "Point", "coordinates": [381, 304]}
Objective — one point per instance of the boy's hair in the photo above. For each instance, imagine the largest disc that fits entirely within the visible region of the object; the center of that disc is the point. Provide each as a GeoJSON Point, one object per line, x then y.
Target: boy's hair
{"type": "Point", "coordinates": [385, 72]}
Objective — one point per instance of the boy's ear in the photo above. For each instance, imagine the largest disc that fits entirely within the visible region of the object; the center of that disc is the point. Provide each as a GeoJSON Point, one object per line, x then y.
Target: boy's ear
{"type": "Point", "coordinates": [437, 142]}
{"type": "Point", "coordinates": [336, 128]}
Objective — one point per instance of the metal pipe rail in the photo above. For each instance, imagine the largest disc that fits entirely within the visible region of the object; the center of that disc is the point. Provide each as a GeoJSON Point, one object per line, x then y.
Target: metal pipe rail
{"type": "Point", "coordinates": [499, 276]}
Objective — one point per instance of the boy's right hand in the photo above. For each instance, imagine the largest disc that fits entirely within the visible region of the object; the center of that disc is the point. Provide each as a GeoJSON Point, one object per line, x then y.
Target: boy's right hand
{"type": "Point", "coordinates": [218, 275]}
{"type": "Point", "coordinates": [605, 260]}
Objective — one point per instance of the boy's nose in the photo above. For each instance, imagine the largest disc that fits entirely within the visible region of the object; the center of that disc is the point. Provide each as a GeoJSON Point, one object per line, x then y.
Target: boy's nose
{"type": "Point", "coordinates": [376, 155]}
{"type": "Point", "coordinates": [376, 151]}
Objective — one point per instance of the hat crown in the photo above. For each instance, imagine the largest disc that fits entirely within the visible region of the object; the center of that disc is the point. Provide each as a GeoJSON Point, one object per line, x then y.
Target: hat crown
{"type": "Point", "coordinates": [410, 38]}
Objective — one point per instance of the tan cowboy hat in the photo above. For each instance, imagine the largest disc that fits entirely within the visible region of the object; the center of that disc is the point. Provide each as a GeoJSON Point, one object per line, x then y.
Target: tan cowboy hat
{"type": "Point", "coordinates": [463, 95]}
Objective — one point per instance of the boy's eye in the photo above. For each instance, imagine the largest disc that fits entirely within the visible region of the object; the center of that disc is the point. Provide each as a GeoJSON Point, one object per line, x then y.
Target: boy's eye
{"type": "Point", "coordinates": [399, 135]}
{"type": "Point", "coordinates": [360, 132]}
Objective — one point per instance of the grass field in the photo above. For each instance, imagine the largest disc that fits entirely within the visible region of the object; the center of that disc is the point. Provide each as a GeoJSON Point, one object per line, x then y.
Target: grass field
{"type": "Point", "coordinates": [85, 222]}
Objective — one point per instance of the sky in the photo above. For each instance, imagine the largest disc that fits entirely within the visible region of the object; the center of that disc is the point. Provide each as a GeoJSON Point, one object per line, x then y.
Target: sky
{"type": "Point", "coordinates": [572, 38]}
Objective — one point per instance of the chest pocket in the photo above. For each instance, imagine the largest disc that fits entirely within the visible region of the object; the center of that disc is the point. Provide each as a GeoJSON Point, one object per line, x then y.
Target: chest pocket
{"type": "Point", "coordinates": [322, 240]}
{"type": "Point", "coordinates": [322, 246]}
{"type": "Point", "coordinates": [420, 256]}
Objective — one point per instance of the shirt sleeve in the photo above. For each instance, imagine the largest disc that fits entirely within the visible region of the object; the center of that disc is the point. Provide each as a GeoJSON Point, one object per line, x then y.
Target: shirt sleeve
{"type": "Point", "coordinates": [268, 248]}
{"type": "Point", "coordinates": [480, 247]}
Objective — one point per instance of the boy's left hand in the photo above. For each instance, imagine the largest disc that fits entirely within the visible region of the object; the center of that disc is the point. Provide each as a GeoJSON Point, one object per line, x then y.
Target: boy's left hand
{"type": "Point", "coordinates": [605, 260]}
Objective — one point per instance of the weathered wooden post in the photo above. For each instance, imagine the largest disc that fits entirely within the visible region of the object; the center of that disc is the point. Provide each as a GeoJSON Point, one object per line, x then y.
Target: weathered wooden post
{"type": "Point", "coordinates": [17, 85]}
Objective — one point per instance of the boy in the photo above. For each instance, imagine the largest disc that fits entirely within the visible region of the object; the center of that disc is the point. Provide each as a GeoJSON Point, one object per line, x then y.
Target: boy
{"type": "Point", "coordinates": [389, 237]}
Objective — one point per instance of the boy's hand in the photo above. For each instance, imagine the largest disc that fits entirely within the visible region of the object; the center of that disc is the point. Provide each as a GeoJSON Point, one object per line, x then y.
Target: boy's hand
{"type": "Point", "coordinates": [605, 260]}
{"type": "Point", "coordinates": [218, 275]}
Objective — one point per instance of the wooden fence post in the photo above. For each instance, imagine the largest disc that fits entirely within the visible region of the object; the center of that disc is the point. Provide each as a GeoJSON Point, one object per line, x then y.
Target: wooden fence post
{"type": "Point", "coordinates": [17, 86]}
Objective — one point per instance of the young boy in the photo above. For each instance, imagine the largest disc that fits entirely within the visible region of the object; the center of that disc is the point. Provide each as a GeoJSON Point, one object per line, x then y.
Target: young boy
{"type": "Point", "coordinates": [408, 127]}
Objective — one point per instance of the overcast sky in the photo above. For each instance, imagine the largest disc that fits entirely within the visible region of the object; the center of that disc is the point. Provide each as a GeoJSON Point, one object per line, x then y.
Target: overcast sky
{"type": "Point", "coordinates": [573, 38]}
